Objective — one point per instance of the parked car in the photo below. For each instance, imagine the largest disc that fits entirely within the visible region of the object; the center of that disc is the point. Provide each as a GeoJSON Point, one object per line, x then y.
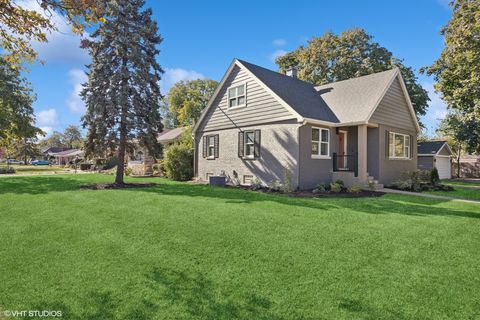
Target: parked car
{"type": "Point", "coordinates": [40, 163]}
{"type": "Point", "coordinates": [14, 161]}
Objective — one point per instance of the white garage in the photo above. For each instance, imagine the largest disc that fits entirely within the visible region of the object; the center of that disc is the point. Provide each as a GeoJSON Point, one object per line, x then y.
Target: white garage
{"type": "Point", "coordinates": [436, 154]}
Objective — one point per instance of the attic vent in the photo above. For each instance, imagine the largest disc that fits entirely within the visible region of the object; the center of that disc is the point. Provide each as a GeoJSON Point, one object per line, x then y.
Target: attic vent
{"type": "Point", "coordinates": [292, 71]}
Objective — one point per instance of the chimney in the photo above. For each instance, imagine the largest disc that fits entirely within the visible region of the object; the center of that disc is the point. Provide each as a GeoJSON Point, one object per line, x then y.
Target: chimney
{"type": "Point", "coordinates": [292, 72]}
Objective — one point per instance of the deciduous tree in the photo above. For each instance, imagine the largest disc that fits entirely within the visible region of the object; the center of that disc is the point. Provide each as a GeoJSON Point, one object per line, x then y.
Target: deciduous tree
{"type": "Point", "coordinates": [351, 54]}
{"type": "Point", "coordinates": [457, 71]}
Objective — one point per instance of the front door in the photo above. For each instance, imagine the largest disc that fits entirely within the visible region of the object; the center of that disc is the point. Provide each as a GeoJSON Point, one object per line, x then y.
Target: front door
{"type": "Point", "coordinates": [342, 149]}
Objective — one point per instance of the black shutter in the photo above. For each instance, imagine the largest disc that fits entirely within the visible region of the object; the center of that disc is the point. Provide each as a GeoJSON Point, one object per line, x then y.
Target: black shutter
{"type": "Point", "coordinates": [387, 144]}
{"type": "Point", "coordinates": [205, 146]}
{"type": "Point", "coordinates": [257, 144]}
{"type": "Point", "coordinates": [240, 145]}
{"type": "Point", "coordinates": [411, 147]}
{"type": "Point", "coordinates": [216, 146]}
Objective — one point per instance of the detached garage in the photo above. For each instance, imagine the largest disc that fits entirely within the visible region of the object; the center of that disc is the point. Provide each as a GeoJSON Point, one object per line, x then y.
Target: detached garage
{"type": "Point", "coordinates": [435, 154]}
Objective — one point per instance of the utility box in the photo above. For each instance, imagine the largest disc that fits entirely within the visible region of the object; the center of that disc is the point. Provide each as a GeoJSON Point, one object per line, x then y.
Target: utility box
{"type": "Point", "coordinates": [219, 181]}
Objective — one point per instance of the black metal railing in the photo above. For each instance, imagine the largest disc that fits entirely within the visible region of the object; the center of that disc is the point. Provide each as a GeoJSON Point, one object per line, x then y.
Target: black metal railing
{"type": "Point", "coordinates": [346, 162]}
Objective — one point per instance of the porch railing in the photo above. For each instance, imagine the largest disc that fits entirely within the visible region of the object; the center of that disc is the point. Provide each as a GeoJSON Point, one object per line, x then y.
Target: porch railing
{"type": "Point", "coordinates": [346, 162]}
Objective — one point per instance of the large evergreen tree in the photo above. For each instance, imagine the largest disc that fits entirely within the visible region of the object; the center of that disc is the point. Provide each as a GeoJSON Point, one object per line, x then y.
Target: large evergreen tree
{"type": "Point", "coordinates": [122, 94]}
{"type": "Point", "coordinates": [352, 53]}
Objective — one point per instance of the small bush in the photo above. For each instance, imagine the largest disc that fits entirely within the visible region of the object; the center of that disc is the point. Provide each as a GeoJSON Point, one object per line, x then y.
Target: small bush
{"type": "Point", "coordinates": [287, 187]}
{"type": "Point", "coordinates": [335, 187]}
{"type": "Point", "coordinates": [178, 162]}
{"type": "Point", "coordinates": [321, 188]}
{"type": "Point", "coordinates": [7, 170]}
{"type": "Point", "coordinates": [371, 185]}
{"type": "Point", "coordinates": [434, 177]}
{"type": "Point", "coordinates": [354, 189]}
{"type": "Point", "coordinates": [275, 185]}
{"type": "Point", "coordinates": [418, 180]}
{"type": "Point", "coordinates": [110, 163]}
{"type": "Point", "coordinates": [256, 184]}
{"type": "Point", "coordinates": [85, 166]}
{"type": "Point", "coordinates": [340, 182]}
{"type": "Point", "coordinates": [128, 171]}
{"type": "Point", "coordinates": [158, 169]}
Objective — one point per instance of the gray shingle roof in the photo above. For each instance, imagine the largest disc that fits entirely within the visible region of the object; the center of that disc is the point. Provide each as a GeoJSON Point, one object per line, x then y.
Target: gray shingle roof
{"type": "Point", "coordinates": [170, 135]}
{"type": "Point", "coordinates": [345, 101]}
{"type": "Point", "coordinates": [429, 147]}
{"type": "Point", "coordinates": [298, 94]}
{"type": "Point", "coordinates": [354, 99]}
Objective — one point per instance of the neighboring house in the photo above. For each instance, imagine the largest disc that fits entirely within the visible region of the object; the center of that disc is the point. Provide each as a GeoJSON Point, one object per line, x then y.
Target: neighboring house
{"type": "Point", "coordinates": [260, 124]}
{"type": "Point", "coordinates": [50, 152]}
{"type": "Point", "coordinates": [469, 166]}
{"type": "Point", "coordinates": [65, 157]}
{"type": "Point", "coordinates": [435, 154]}
{"type": "Point", "coordinates": [141, 163]}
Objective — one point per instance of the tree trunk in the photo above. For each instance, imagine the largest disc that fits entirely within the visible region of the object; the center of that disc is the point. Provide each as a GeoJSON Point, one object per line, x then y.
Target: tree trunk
{"type": "Point", "coordinates": [121, 152]}
{"type": "Point", "coordinates": [458, 162]}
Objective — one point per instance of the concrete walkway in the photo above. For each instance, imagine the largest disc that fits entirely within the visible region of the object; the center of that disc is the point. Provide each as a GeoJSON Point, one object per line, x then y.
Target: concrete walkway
{"type": "Point", "coordinates": [426, 195]}
{"type": "Point", "coordinates": [43, 174]}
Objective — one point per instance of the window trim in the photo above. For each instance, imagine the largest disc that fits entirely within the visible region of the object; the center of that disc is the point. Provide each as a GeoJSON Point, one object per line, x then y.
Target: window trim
{"type": "Point", "coordinates": [320, 142]}
{"type": "Point", "coordinates": [244, 84]}
{"type": "Point", "coordinates": [245, 156]}
{"type": "Point", "coordinates": [408, 156]}
{"type": "Point", "coordinates": [210, 137]}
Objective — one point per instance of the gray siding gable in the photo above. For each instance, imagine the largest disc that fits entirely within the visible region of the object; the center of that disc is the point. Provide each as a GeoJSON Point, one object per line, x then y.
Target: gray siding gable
{"type": "Point", "coordinates": [261, 106]}
{"type": "Point", "coordinates": [393, 109]}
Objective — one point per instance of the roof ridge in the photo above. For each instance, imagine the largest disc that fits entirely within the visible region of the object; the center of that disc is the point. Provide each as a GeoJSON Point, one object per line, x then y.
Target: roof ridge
{"type": "Point", "coordinates": [357, 78]}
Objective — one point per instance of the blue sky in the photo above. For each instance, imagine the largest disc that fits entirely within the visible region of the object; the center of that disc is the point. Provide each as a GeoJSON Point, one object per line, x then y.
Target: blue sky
{"type": "Point", "coordinates": [202, 37]}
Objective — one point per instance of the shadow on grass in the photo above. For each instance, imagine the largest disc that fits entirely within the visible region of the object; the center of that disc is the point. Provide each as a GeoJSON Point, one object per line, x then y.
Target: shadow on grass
{"type": "Point", "coordinates": [398, 204]}
{"type": "Point", "coordinates": [169, 294]}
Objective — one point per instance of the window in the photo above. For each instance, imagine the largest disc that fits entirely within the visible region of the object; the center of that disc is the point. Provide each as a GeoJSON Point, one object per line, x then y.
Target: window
{"type": "Point", "coordinates": [236, 96]}
{"type": "Point", "coordinates": [249, 144]}
{"type": "Point", "coordinates": [320, 143]}
{"type": "Point", "coordinates": [398, 146]}
{"type": "Point", "coordinates": [247, 179]}
{"type": "Point", "coordinates": [211, 147]}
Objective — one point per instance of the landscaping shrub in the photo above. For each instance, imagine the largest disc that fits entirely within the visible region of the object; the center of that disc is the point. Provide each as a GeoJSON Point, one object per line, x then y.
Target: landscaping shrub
{"type": "Point", "coordinates": [128, 171]}
{"type": "Point", "coordinates": [287, 187]}
{"type": "Point", "coordinates": [335, 187]}
{"type": "Point", "coordinates": [178, 162]}
{"type": "Point", "coordinates": [275, 185]}
{"type": "Point", "coordinates": [418, 180]}
{"type": "Point", "coordinates": [322, 187]}
{"type": "Point", "coordinates": [158, 169]}
{"type": "Point", "coordinates": [256, 184]}
{"type": "Point", "coordinates": [340, 182]}
{"type": "Point", "coordinates": [110, 163]}
{"type": "Point", "coordinates": [85, 166]}
{"type": "Point", "coordinates": [7, 170]}
{"type": "Point", "coordinates": [355, 188]}
{"type": "Point", "coordinates": [434, 177]}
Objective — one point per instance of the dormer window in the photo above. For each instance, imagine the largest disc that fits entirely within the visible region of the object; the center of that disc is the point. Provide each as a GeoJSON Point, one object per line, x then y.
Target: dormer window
{"type": "Point", "coordinates": [237, 96]}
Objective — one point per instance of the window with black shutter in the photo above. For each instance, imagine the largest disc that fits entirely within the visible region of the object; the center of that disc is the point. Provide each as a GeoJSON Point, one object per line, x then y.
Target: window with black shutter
{"type": "Point", "coordinates": [249, 144]}
{"type": "Point", "coordinates": [210, 146]}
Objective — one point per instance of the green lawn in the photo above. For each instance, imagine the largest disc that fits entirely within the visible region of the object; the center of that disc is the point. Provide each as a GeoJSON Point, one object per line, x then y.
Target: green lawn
{"type": "Point", "coordinates": [180, 251]}
{"type": "Point", "coordinates": [461, 183]}
{"type": "Point", "coordinates": [461, 193]}
{"type": "Point", "coordinates": [27, 169]}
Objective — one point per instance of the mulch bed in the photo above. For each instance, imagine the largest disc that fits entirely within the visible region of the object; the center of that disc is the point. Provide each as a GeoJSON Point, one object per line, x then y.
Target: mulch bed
{"type": "Point", "coordinates": [310, 194]}
{"type": "Point", "coordinates": [104, 186]}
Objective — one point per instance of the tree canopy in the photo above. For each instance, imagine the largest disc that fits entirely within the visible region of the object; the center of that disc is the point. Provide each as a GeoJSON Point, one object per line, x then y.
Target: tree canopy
{"type": "Point", "coordinates": [122, 94]}
{"type": "Point", "coordinates": [20, 25]}
{"type": "Point", "coordinates": [457, 71]}
{"type": "Point", "coordinates": [353, 53]}
{"type": "Point", "coordinates": [187, 99]}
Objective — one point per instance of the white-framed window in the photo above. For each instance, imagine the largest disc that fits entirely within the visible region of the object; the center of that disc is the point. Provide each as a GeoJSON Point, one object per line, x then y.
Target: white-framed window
{"type": "Point", "coordinates": [237, 96]}
{"type": "Point", "coordinates": [398, 146]}
{"type": "Point", "coordinates": [211, 146]}
{"type": "Point", "coordinates": [320, 143]}
{"type": "Point", "coordinates": [249, 144]}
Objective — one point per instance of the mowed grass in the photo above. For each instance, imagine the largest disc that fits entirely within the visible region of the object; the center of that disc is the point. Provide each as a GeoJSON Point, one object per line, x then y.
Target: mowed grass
{"type": "Point", "coordinates": [28, 169]}
{"type": "Point", "coordinates": [181, 251]}
{"type": "Point", "coordinates": [460, 193]}
{"type": "Point", "coordinates": [462, 183]}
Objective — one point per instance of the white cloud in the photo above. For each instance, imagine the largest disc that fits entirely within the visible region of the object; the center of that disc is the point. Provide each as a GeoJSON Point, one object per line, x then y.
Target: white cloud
{"type": "Point", "coordinates": [48, 131]}
{"type": "Point", "coordinates": [437, 109]}
{"type": "Point", "coordinates": [279, 42]}
{"type": "Point", "coordinates": [75, 103]}
{"type": "Point", "coordinates": [277, 53]}
{"type": "Point", "coordinates": [47, 118]}
{"type": "Point", "coordinates": [172, 76]}
{"type": "Point", "coordinates": [63, 45]}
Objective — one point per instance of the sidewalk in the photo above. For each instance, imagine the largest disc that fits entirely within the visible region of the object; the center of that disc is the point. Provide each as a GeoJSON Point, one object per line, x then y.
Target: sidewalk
{"type": "Point", "coordinates": [426, 195]}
